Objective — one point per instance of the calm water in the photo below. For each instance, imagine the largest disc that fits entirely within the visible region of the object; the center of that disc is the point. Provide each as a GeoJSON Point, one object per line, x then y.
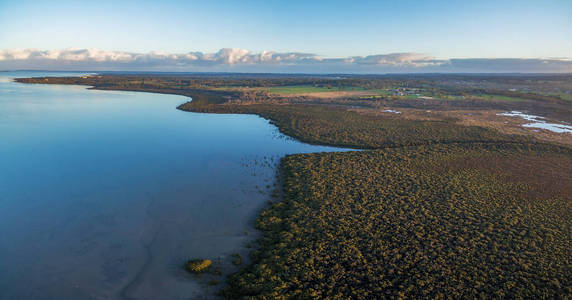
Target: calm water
{"type": "Point", "coordinates": [105, 194]}
{"type": "Point", "coordinates": [538, 122]}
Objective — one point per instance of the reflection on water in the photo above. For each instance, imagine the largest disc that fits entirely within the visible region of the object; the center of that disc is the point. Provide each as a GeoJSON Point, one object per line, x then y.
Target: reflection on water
{"type": "Point", "coordinates": [105, 194]}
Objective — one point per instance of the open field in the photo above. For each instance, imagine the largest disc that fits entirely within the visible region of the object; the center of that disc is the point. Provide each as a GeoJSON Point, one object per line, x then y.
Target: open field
{"type": "Point", "coordinates": [303, 89]}
{"type": "Point", "coordinates": [326, 92]}
{"type": "Point", "coordinates": [564, 96]}
{"type": "Point", "coordinates": [499, 98]}
{"type": "Point", "coordinates": [334, 94]}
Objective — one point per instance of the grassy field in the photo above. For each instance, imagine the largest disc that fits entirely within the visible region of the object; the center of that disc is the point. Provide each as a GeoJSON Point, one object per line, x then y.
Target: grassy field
{"type": "Point", "coordinates": [482, 97]}
{"type": "Point", "coordinates": [306, 89]}
{"type": "Point", "coordinates": [293, 90]}
{"type": "Point", "coordinates": [303, 89]}
{"type": "Point", "coordinates": [488, 97]}
{"type": "Point", "coordinates": [567, 97]}
{"type": "Point", "coordinates": [563, 96]}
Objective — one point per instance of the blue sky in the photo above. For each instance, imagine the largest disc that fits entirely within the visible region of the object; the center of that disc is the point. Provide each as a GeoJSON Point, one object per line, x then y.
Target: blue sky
{"type": "Point", "coordinates": [329, 29]}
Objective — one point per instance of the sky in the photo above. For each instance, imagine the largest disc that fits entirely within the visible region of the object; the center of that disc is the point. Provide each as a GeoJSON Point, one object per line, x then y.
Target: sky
{"type": "Point", "coordinates": [288, 36]}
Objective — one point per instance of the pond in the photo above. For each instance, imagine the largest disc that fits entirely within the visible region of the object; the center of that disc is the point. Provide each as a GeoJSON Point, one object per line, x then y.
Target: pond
{"type": "Point", "coordinates": [105, 194]}
{"type": "Point", "coordinates": [538, 122]}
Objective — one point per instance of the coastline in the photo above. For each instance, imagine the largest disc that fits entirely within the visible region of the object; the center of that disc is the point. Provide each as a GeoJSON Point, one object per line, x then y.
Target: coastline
{"type": "Point", "coordinates": [486, 139]}
{"type": "Point", "coordinates": [280, 115]}
{"type": "Point", "coordinates": [186, 220]}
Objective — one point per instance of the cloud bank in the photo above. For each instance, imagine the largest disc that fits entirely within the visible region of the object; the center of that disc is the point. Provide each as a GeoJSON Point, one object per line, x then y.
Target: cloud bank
{"type": "Point", "coordinates": [241, 60]}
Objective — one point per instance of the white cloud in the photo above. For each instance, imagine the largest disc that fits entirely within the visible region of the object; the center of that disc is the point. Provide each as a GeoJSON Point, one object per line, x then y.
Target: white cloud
{"type": "Point", "coordinates": [237, 59]}
{"type": "Point", "coordinates": [398, 59]}
{"type": "Point", "coordinates": [229, 56]}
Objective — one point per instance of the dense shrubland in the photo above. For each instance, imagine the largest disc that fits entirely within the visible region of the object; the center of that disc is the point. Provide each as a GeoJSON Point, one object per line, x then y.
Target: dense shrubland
{"type": "Point", "coordinates": [422, 222]}
{"type": "Point", "coordinates": [339, 127]}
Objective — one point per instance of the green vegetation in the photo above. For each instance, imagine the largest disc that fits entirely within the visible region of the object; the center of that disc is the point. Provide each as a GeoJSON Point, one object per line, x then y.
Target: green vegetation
{"type": "Point", "coordinates": [338, 127]}
{"type": "Point", "coordinates": [304, 89]}
{"type": "Point", "coordinates": [567, 97]}
{"type": "Point", "coordinates": [564, 96]}
{"type": "Point", "coordinates": [481, 97]}
{"type": "Point", "coordinates": [499, 98]}
{"type": "Point", "coordinates": [461, 221]}
{"type": "Point", "coordinates": [198, 266]}
{"type": "Point", "coordinates": [298, 89]}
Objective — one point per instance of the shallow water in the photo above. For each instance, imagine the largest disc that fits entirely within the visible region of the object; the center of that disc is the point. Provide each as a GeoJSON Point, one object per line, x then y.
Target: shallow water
{"type": "Point", "coordinates": [105, 194]}
{"type": "Point", "coordinates": [391, 111]}
{"type": "Point", "coordinates": [539, 122]}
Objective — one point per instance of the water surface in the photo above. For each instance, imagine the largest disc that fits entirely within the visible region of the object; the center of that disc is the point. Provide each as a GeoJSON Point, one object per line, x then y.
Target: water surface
{"type": "Point", "coordinates": [105, 194]}
{"type": "Point", "coordinates": [539, 122]}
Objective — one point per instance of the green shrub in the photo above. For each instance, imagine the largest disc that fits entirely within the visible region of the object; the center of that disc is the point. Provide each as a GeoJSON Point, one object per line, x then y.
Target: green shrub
{"type": "Point", "coordinates": [198, 266]}
{"type": "Point", "coordinates": [466, 221]}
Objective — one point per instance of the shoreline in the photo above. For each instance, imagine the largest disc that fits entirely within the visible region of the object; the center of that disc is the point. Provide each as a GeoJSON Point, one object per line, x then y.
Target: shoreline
{"type": "Point", "coordinates": [216, 101]}
{"type": "Point", "coordinates": [288, 131]}
{"type": "Point", "coordinates": [135, 284]}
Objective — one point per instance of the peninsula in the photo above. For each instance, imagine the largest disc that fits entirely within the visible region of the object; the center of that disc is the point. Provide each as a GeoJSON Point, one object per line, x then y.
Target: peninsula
{"type": "Point", "coordinates": [452, 195]}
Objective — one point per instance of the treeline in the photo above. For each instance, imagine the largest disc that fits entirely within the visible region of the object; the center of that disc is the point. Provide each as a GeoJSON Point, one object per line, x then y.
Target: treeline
{"type": "Point", "coordinates": [416, 223]}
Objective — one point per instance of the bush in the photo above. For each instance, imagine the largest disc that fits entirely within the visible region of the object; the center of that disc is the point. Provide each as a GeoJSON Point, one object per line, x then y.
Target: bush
{"type": "Point", "coordinates": [466, 221]}
{"type": "Point", "coordinates": [198, 266]}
